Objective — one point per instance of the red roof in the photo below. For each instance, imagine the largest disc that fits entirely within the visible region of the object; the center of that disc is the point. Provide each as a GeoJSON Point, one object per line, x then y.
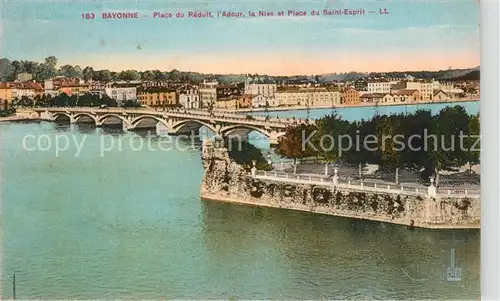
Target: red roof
{"type": "Point", "coordinates": [23, 85]}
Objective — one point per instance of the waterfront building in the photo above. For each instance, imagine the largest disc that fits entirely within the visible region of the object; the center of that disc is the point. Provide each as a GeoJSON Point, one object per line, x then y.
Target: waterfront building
{"type": "Point", "coordinates": [260, 86]}
{"type": "Point", "coordinates": [380, 86]}
{"type": "Point", "coordinates": [443, 85]}
{"type": "Point", "coordinates": [52, 85]}
{"type": "Point", "coordinates": [73, 89]}
{"type": "Point", "coordinates": [208, 93]}
{"type": "Point", "coordinates": [425, 88]}
{"type": "Point", "coordinates": [351, 96]}
{"type": "Point", "coordinates": [373, 97]}
{"type": "Point", "coordinates": [440, 95]}
{"type": "Point", "coordinates": [97, 88]}
{"type": "Point", "coordinates": [234, 102]}
{"type": "Point", "coordinates": [260, 101]}
{"type": "Point", "coordinates": [121, 92]}
{"type": "Point", "coordinates": [157, 97]}
{"type": "Point", "coordinates": [6, 91]}
{"type": "Point", "coordinates": [189, 97]}
{"type": "Point", "coordinates": [224, 91]}
{"type": "Point", "coordinates": [27, 89]}
{"type": "Point", "coordinates": [389, 98]}
{"type": "Point", "coordinates": [294, 96]}
{"type": "Point", "coordinates": [407, 95]}
{"type": "Point", "coordinates": [456, 92]}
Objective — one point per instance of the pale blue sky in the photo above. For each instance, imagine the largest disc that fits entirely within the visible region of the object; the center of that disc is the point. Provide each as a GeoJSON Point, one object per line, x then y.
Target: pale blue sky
{"type": "Point", "coordinates": [415, 35]}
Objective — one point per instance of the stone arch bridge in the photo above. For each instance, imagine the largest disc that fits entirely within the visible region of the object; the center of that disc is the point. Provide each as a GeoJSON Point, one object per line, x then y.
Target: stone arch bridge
{"type": "Point", "coordinates": [176, 122]}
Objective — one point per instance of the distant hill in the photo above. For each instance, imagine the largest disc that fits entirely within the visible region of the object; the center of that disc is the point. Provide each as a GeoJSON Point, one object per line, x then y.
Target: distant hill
{"type": "Point", "coordinates": [47, 69]}
{"type": "Point", "coordinates": [450, 74]}
{"type": "Point", "coordinates": [472, 75]}
{"type": "Point", "coordinates": [437, 75]}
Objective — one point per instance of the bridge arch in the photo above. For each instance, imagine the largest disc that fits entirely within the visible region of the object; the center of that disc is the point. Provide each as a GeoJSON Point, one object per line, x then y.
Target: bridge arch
{"type": "Point", "coordinates": [228, 130]}
{"type": "Point", "coordinates": [137, 121]}
{"type": "Point", "coordinates": [61, 117]}
{"type": "Point", "coordinates": [188, 125]}
{"type": "Point", "coordinates": [102, 119]}
{"type": "Point", "coordinates": [83, 117]}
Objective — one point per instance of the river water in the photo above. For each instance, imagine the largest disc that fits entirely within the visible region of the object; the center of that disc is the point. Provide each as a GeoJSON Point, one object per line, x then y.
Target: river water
{"type": "Point", "coordinates": [129, 223]}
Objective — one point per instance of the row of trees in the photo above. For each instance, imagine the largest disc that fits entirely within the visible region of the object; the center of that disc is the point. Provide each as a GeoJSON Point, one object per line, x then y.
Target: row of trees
{"type": "Point", "coordinates": [9, 70]}
{"type": "Point", "coordinates": [420, 141]}
{"type": "Point", "coordinates": [64, 100]}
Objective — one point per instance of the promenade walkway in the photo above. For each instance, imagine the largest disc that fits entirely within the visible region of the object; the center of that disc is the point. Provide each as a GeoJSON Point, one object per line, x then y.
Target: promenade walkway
{"type": "Point", "coordinates": [365, 186]}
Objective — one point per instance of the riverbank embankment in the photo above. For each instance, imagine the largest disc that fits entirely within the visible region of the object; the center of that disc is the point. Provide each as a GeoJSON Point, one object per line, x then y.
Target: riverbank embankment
{"type": "Point", "coordinates": [224, 180]}
{"type": "Point", "coordinates": [339, 106]}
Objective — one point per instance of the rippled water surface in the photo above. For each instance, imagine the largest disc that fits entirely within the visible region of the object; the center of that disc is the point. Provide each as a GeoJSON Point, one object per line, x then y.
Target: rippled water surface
{"type": "Point", "coordinates": [130, 224]}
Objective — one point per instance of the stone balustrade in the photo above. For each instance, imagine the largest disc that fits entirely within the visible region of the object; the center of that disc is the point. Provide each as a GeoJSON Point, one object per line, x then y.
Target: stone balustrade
{"type": "Point", "coordinates": [365, 186]}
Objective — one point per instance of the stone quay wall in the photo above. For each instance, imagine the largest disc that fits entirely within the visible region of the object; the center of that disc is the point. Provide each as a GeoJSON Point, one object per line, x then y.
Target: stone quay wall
{"type": "Point", "coordinates": [224, 180]}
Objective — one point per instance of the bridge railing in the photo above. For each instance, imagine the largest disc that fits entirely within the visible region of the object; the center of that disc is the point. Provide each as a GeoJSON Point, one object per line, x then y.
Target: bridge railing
{"type": "Point", "coordinates": [171, 111]}
{"type": "Point", "coordinates": [198, 115]}
{"type": "Point", "coordinates": [363, 186]}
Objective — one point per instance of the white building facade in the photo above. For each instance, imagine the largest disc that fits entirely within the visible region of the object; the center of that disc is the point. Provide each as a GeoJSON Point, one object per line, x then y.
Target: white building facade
{"type": "Point", "coordinates": [426, 89]}
{"type": "Point", "coordinates": [260, 101]}
{"type": "Point", "coordinates": [266, 90]}
{"type": "Point", "coordinates": [189, 99]}
{"type": "Point", "coordinates": [379, 86]}
{"type": "Point", "coordinates": [122, 94]}
{"type": "Point", "coordinates": [20, 92]}
{"type": "Point", "coordinates": [308, 97]}
{"type": "Point", "coordinates": [208, 93]}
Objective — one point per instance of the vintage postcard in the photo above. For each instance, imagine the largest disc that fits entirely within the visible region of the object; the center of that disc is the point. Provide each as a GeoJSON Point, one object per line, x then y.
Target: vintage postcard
{"type": "Point", "coordinates": [240, 150]}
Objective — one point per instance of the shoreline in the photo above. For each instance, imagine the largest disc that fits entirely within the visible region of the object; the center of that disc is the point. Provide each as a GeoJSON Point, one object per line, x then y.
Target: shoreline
{"type": "Point", "coordinates": [344, 106]}
{"type": "Point", "coordinates": [237, 201]}
{"type": "Point", "coordinates": [15, 118]}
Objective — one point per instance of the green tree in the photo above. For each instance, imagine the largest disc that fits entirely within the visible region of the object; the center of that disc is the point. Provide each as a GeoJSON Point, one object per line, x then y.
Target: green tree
{"type": "Point", "coordinates": [129, 75]}
{"type": "Point", "coordinates": [293, 144]}
{"type": "Point", "coordinates": [62, 100]}
{"type": "Point", "coordinates": [361, 145]}
{"type": "Point", "coordinates": [453, 123]}
{"type": "Point", "coordinates": [6, 69]}
{"type": "Point", "coordinates": [388, 130]}
{"type": "Point", "coordinates": [326, 140]}
{"type": "Point", "coordinates": [158, 75]}
{"type": "Point", "coordinates": [51, 62]}
{"type": "Point", "coordinates": [247, 153]}
{"type": "Point", "coordinates": [110, 102]}
{"type": "Point", "coordinates": [46, 70]}
{"type": "Point", "coordinates": [418, 129]}
{"type": "Point", "coordinates": [131, 104]}
{"type": "Point", "coordinates": [103, 75]}
{"type": "Point", "coordinates": [472, 143]}
{"type": "Point", "coordinates": [18, 68]}
{"type": "Point", "coordinates": [147, 75]}
{"type": "Point", "coordinates": [88, 73]}
{"type": "Point", "coordinates": [71, 71]}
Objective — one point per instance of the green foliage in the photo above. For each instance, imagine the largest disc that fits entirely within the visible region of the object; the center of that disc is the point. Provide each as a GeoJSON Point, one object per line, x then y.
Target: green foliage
{"type": "Point", "coordinates": [416, 141]}
{"type": "Point", "coordinates": [330, 129]}
{"type": "Point", "coordinates": [247, 153]}
{"type": "Point", "coordinates": [291, 144]}
{"type": "Point", "coordinates": [131, 104]}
